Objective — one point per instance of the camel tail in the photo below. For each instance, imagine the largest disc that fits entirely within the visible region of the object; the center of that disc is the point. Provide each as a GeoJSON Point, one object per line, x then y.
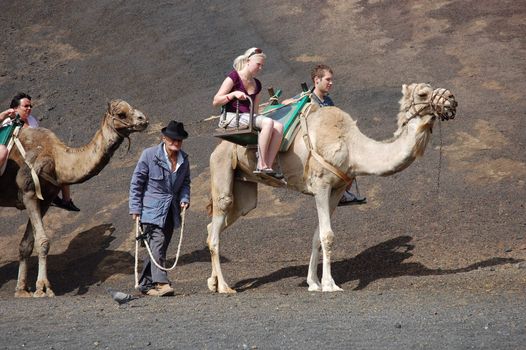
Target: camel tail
{"type": "Point", "coordinates": [209, 207]}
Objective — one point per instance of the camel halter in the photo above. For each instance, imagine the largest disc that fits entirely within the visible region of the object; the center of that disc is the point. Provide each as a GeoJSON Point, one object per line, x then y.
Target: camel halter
{"type": "Point", "coordinates": [442, 112]}
{"type": "Point", "coordinates": [439, 96]}
{"type": "Point", "coordinates": [126, 124]}
{"type": "Point", "coordinates": [139, 234]}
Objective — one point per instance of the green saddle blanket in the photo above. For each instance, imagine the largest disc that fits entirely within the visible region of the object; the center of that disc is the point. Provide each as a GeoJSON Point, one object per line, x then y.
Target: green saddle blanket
{"type": "Point", "coordinates": [289, 117]}
{"type": "Point", "coordinates": [5, 133]}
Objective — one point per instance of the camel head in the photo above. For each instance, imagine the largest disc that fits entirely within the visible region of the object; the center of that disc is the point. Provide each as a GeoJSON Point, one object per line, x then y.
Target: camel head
{"type": "Point", "coordinates": [421, 106]}
{"type": "Point", "coordinates": [422, 102]}
{"type": "Point", "coordinates": [124, 119]}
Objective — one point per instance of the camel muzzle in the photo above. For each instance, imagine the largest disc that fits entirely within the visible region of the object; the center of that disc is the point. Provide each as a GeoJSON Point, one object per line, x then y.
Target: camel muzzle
{"type": "Point", "coordinates": [444, 104]}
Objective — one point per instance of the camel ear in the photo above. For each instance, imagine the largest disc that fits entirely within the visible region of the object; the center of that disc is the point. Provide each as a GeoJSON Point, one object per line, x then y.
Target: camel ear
{"type": "Point", "coordinates": [113, 106]}
{"type": "Point", "coordinates": [406, 97]}
{"type": "Point", "coordinates": [406, 91]}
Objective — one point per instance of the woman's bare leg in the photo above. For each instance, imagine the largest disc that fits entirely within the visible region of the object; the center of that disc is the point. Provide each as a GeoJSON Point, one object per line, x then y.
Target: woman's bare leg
{"type": "Point", "coordinates": [264, 142]}
{"type": "Point", "coordinates": [275, 142]}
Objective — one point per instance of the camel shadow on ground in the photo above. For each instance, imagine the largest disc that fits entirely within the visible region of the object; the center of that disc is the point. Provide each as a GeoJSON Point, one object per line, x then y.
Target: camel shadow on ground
{"type": "Point", "coordinates": [384, 260]}
{"type": "Point", "coordinates": [87, 261]}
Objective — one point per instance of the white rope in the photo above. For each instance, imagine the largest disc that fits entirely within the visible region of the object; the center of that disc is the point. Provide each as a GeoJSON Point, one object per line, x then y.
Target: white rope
{"type": "Point", "coordinates": [137, 225]}
{"type": "Point", "coordinates": [34, 175]}
{"type": "Point", "coordinates": [138, 231]}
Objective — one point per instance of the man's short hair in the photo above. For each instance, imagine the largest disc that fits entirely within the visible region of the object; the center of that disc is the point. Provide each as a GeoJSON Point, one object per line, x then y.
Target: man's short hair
{"type": "Point", "coordinates": [319, 71]}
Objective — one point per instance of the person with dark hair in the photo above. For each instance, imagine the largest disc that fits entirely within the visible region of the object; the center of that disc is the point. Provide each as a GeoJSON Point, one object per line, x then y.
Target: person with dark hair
{"type": "Point", "coordinates": [21, 106]}
{"type": "Point", "coordinates": [159, 190]}
{"type": "Point", "coordinates": [241, 83]}
{"type": "Point", "coordinates": [321, 76]}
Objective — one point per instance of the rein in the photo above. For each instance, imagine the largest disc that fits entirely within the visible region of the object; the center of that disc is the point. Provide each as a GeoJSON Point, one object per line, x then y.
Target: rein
{"type": "Point", "coordinates": [439, 156]}
{"type": "Point", "coordinates": [139, 235]}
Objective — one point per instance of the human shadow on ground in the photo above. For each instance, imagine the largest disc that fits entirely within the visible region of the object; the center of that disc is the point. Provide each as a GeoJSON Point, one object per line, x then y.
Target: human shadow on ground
{"type": "Point", "coordinates": [88, 261]}
{"type": "Point", "coordinates": [384, 260]}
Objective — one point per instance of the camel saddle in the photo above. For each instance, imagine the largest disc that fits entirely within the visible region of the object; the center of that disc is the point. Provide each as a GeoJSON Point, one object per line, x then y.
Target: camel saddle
{"type": "Point", "coordinates": [288, 115]}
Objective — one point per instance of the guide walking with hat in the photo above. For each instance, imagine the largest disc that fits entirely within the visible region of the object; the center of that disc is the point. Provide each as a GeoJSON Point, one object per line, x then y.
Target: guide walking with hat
{"type": "Point", "coordinates": [159, 190]}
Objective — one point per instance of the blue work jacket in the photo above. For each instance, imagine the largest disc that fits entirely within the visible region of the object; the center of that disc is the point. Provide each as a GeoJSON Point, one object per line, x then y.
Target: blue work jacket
{"type": "Point", "coordinates": [155, 188]}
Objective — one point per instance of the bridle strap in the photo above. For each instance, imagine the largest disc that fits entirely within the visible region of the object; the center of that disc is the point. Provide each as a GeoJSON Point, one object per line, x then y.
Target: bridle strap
{"type": "Point", "coordinates": [435, 98]}
{"type": "Point", "coordinates": [425, 104]}
{"type": "Point", "coordinates": [121, 135]}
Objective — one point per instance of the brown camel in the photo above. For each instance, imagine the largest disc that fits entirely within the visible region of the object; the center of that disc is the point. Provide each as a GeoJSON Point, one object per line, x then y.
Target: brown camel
{"type": "Point", "coordinates": [57, 164]}
{"type": "Point", "coordinates": [326, 155]}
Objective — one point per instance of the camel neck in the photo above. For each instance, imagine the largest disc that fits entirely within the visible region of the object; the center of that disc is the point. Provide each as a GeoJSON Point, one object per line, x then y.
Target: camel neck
{"type": "Point", "coordinates": [391, 156]}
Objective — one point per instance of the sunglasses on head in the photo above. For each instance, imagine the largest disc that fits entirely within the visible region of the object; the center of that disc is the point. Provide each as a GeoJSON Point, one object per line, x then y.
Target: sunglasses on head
{"type": "Point", "coordinates": [256, 51]}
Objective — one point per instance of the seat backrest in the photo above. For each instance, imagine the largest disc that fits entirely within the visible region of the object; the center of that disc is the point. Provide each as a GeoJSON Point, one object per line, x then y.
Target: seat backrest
{"type": "Point", "coordinates": [6, 132]}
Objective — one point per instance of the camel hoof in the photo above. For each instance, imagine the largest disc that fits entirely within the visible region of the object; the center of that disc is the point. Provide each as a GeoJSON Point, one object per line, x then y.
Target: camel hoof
{"type": "Point", "coordinates": [227, 290]}
{"type": "Point", "coordinates": [39, 294]}
{"type": "Point", "coordinates": [332, 288]}
{"type": "Point", "coordinates": [49, 293]}
{"type": "Point", "coordinates": [314, 288]}
{"type": "Point", "coordinates": [212, 284]}
{"type": "Point", "coordinates": [22, 294]}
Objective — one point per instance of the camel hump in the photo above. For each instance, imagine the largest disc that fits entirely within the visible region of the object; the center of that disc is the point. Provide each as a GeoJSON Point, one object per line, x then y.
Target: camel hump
{"type": "Point", "coordinates": [40, 137]}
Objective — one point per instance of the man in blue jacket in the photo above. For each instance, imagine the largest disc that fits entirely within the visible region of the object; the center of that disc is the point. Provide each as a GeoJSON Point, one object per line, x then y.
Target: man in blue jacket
{"type": "Point", "coordinates": [159, 189]}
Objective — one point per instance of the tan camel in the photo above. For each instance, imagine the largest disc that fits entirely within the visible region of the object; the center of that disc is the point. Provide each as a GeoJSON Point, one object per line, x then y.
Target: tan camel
{"type": "Point", "coordinates": [57, 164]}
{"type": "Point", "coordinates": [335, 140]}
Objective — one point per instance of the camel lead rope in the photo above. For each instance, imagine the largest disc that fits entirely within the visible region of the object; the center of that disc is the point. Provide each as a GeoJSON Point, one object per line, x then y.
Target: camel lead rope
{"type": "Point", "coordinates": [136, 270]}
{"type": "Point", "coordinates": [439, 156]}
{"type": "Point", "coordinates": [138, 232]}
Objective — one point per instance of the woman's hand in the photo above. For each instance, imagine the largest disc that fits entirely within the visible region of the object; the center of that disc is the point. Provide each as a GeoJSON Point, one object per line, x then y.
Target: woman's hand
{"type": "Point", "coordinates": [240, 95]}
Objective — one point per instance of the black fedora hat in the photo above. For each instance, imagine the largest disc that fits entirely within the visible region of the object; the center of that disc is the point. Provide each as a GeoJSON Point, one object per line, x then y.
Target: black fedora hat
{"type": "Point", "coordinates": [175, 131]}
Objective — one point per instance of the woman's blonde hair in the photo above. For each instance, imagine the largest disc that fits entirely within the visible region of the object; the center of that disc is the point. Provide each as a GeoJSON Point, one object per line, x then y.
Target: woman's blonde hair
{"type": "Point", "coordinates": [241, 61]}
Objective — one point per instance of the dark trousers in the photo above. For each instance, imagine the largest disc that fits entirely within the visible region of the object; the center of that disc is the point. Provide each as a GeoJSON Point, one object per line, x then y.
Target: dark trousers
{"type": "Point", "coordinates": [158, 239]}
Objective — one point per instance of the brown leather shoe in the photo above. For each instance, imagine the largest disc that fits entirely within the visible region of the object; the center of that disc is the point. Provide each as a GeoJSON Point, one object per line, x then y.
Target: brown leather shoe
{"type": "Point", "coordinates": [153, 292]}
{"type": "Point", "coordinates": [164, 289]}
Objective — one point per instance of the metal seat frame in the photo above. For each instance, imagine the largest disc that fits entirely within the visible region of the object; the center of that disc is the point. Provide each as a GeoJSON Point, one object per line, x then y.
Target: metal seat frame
{"type": "Point", "coordinates": [242, 135]}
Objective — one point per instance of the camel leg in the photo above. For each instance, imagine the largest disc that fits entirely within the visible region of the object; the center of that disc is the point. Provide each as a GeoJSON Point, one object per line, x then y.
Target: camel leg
{"type": "Point", "coordinates": [222, 183]}
{"type": "Point", "coordinates": [43, 287]}
{"type": "Point", "coordinates": [24, 252]}
{"type": "Point", "coordinates": [216, 281]}
{"type": "Point", "coordinates": [212, 280]}
{"type": "Point", "coordinates": [226, 211]}
{"type": "Point", "coordinates": [326, 201]}
{"type": "Point", "coordinates": [312, 276]}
